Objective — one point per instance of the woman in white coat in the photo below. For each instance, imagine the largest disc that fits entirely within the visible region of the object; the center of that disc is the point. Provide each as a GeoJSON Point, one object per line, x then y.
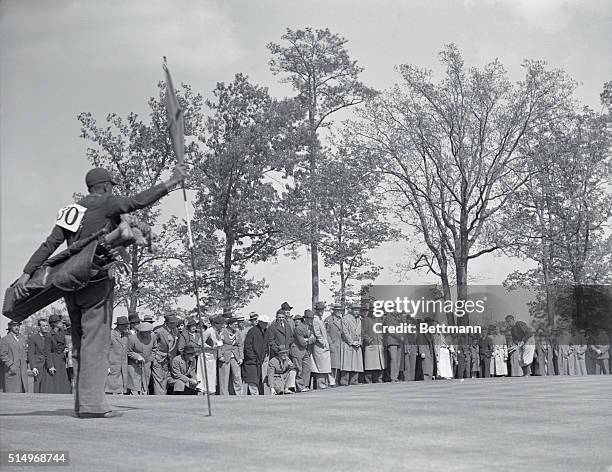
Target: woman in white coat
{"type": "Point", "coordinates": [445, 356]}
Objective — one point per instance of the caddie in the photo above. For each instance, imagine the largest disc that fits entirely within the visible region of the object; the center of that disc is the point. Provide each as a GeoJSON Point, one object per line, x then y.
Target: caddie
{"type": "Point", "coordinates": [91, 308]}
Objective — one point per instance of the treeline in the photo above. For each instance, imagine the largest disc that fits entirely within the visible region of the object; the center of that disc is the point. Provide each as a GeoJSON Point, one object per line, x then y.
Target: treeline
{"type": "Point", "coordinates": [465, 164]}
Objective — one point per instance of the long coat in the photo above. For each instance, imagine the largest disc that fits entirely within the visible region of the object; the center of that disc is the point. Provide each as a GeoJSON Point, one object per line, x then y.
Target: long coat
{"type": "Point", "coordinates": [352, 357]}
{"type": "Point", "coordinates": [15, 363]}
{"type": "Point", "coordinates": [37, 358]}
{"type": "Point", "coordinates": [499, 356]}
{"type": "Point", "coordinates": [56, 346]}
{"type": "Point", "coordinates": [544, 357]}
{"type": "Point", "coordinates": [333, 326]}
{"type": "Point", "coordinates": [426, 354]}
{"type": "Point", "coordinates": [321, 360]}
{"type": "Point", "coordinates": [139, 373]}
{"type": "Point", "coordinates": [254, 355]}
{"type": "Point", "coordinates": [277, 335]}
{"type": "Point", "coordinates": [373, 349]}
{"type": "Point", "coordinates": [116, 380]}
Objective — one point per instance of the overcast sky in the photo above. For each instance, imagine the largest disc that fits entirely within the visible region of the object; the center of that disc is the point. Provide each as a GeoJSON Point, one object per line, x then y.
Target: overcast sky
{"type": "Point", "coordinates": [60, 58]}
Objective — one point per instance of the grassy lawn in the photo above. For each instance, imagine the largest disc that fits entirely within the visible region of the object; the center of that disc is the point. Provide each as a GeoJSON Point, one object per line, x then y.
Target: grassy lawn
{"type": "Point", "coordinates": [527, 424]}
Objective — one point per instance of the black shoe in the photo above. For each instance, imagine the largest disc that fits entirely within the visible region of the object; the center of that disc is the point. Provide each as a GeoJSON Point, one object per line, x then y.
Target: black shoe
{"type": "Point", "coordinates": [108, 414]}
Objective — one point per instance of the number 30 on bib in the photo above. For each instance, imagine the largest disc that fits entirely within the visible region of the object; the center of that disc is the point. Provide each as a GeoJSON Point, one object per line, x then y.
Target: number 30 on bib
{"type": "Point", "coordinates": [70, 217]}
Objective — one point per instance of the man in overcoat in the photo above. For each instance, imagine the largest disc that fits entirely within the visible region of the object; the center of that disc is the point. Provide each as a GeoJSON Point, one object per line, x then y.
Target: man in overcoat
{"type": "Point", "coordinates": [254, 355]}
{"type": "Point", "coordinates": [321, 361]}
{"type": "Point", "coordinates": [279, 333]}
{"type": "Point", "coordinates": [351, 364]}
{"type": "Point", "coordinates": [14, 360]}
{"type": "Point", "coordinates": [37, 355]}
{"type": "Point", "coordinates": [333, 326]}
{"type": "Point", "coordinates": [166, 337]}
{"type": "Point", "coordinates": [116, 380]}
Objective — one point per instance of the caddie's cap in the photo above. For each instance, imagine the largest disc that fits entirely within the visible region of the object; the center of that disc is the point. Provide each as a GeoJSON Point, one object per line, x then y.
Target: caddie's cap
{"type": "Point", "coordinates": [234, 319]}
{"type": "Point", "coordinates": [98, 176]}
{"type": "Point", "coordinates": [122, 321]}
{"type": "Point", "coordinates": [285, 306]}
{"type": "Point", "coordinates": [189, 349]}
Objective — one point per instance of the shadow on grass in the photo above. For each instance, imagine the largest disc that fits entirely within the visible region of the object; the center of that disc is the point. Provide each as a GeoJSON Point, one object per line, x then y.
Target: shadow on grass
{"type": "Point", "coordinates": [60, 412]}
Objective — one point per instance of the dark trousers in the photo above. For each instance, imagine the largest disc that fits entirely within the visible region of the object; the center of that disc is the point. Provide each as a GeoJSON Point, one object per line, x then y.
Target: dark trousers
{"type": "Point", "coordinates": [349, 378]}
{"type": "Point", "coordinates": [40, 379]}
{"type": "Point", "coordinates": [485, 366]}
{"type": "Point", "coordinates": [91, 314]}
{"type": "Point", "coordinates": [373, 376]}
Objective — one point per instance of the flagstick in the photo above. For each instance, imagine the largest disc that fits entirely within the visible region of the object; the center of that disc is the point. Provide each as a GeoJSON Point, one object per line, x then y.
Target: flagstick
{"type": "Point", "coordinates": [197, 295]}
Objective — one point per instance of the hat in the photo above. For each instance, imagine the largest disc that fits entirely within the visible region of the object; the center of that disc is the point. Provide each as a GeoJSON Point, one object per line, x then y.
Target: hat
{"type": "Point", "coordinates": [192, 322]}
{"type": "Point", "coordinates": [337, 307]}
{"type": "Point", "coordinates": [134, 318]}
{"type": "Point", "coordinates": [253, 316]}
{"type": "Point", "coordinates": [172, 319]}
{"type": "Point", "coordinates": [319, 306]}
{"type": "Point", "coordinates": [308, 314]}
{"type": "Point", "coordinates": [218, 320]}
{"type": "Point", "coordinates": [54, 318]}
{"type": "Point", "coordinates": [356, 306]}
{"type": "Point", "coordinates": [15, 323]}
{"type": "Point", "coordinates": [98, 176]}
{"type": "Point", "coordinates": [144, 327]}
{"type": "Point", "coordinates": [282, 348]}
{"type": "Point", "coordinates": [189, 349]}
{"type": "Point", "coordinates": [280, 311]}
{"type": "Point", "coordinates": [148, 319]}
{"type": "Point", "coordinates": [234, 319]}
{"type": "Point", "coordinates": [122, 321]}
{"type": "Point", "coordinates": [285, 306]}
{"type": "Point", "coordinates": [298, 317]}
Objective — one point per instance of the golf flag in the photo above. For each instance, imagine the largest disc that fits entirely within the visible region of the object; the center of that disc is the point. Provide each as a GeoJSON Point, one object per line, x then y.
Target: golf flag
{"type": "Point", "coordinates": [176, 124]}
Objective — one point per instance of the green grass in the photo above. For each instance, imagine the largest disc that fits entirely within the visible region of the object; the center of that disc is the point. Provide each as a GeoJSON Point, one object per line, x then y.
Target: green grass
{"type": "Point", "coordinates": [527, 424]}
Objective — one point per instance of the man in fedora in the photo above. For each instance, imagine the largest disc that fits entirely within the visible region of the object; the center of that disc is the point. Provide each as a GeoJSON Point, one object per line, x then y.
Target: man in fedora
{"type": "Point", "coordinates": [183, 379]}
{"type": "Point", "coordinates": [148, 319]}
{"type": "Point", "coordinates": [303, 339]}
{"type": "Point", "coordinates": [279, 332]}
{"type": "Point", "coordinates": [140, 350]}
{"type": "Point", "coordinates": [230, 358]}
{"type": "Point", "coordinates": [351, 363]}
{"type": "Point", "coordinates": [320, 361]}
{"type": "Point", "coordinates": [254, 355]}
{"type": "Point", "coordinates": [91, 307]}
{"type": "Point", "coordinates": [37, 355]}
{"type": "Point", "coordinates": [14, 360]}
{"type": "Point", "coordinates": [134, 320]}
{"type": "Point", "coordinates": [333, 326]}
{"type": "Point", "coordinates": [166, 337]}
{"type": "Point", "coordinates": [116, 380]}
{"type": "Point", "coordinates": [57, 349]}
{"type": "Point", "coordinates": [281, 372]}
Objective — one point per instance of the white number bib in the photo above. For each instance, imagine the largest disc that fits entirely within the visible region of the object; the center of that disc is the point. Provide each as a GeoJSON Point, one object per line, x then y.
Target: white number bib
{"type": "Point", "coordinates": [70, 217]}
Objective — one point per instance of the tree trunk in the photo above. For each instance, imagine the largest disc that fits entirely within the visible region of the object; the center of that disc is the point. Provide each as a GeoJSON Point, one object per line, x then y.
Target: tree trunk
{"type": "Point", "coordinates": [342, 285]}
{"type": "Point", "coordinates": [314, 241]}
{"type": "Point", "coordinates": [227, 275]}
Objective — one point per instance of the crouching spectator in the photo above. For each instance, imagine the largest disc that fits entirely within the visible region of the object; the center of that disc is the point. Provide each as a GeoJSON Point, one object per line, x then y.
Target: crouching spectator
{"type": "Point", "coordinates": [281, 373]}
{"type": "Point", "coordinates": [183, 372]}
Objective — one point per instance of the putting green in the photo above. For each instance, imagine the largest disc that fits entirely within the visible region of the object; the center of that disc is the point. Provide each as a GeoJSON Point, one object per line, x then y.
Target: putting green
{"type": "Point", "coordinates": [526, 424]}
